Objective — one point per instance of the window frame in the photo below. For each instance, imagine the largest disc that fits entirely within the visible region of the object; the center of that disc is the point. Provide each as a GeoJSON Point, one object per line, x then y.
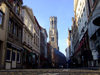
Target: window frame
{"type": "Point", "coordinates": [1, 25]}
{"type": "Point", "coordinates": [18, 61]}
{"type": "Point", "coordinates": [13, 56]}
{"type": "Point", "coordinates": [10, 54]}
{"type": "Point", "coordinates": [52, 38]}
{"type": "Point", "coordinates": [9, 25]}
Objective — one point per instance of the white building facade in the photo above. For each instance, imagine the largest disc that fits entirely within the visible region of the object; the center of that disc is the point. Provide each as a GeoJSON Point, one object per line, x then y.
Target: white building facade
{"type": "Point", "coordinates": [31, 34]}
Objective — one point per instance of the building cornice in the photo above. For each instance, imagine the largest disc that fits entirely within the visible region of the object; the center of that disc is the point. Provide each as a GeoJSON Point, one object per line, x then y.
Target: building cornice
{"type": "Point", "coordinates": [30, 13]}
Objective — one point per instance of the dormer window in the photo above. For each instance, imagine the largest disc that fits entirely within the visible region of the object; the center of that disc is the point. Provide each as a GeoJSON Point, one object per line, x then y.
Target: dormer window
{"type": "Point", "coordinates": [15, 5]}
{"type": "Point", "coordinates": [17, 9]}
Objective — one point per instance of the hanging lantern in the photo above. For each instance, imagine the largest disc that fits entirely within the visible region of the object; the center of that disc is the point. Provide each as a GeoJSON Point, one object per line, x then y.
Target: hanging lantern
{"type": "Point", "coordinates": [96, 21]}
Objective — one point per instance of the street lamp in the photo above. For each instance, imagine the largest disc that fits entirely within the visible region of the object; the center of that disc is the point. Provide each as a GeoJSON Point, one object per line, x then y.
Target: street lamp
{"type": "Point", "coordinates": [96, 21]}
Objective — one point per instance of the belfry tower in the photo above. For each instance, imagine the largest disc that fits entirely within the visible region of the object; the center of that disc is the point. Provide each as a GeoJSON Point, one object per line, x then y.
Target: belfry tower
{"type": "Point", "coordinates": [53, 33]}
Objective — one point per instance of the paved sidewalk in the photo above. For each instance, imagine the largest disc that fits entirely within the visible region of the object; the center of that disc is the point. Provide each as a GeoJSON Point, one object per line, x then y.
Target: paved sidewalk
{"type": "Point", "coordinates": [49, 72]}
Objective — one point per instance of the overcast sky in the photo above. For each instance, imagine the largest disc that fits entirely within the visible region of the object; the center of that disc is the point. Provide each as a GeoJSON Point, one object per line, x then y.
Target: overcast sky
{"type": "Point", "coordinates": [63, 9]}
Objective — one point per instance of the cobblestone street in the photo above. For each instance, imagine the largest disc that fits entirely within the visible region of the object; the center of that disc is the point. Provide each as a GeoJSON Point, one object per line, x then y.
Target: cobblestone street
{"type": "Point", "coordinates": [50, 72]}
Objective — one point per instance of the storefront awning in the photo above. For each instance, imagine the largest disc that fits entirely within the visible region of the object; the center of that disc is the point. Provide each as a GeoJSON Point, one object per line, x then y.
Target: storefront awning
{"type": "Point", "coordinates": [80, 45]}
{"type": "Point", "coordinates": [15, 46]}
{"type": "Point", "coordinates": [27, 49]}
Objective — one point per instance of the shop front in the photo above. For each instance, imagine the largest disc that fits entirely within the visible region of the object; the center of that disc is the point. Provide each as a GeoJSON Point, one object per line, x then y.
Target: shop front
{"type": "Point", "coordinates": [30, 59]}
{"type": "Point", "coordinates": [83, 53]}
{"type": "Point", "coordinates": [13, 56]}
{"type": "Point", "coordinates": [43, 61]}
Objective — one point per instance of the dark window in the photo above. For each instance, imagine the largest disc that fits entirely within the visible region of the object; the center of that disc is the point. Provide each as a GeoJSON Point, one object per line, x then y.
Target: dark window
{"type": "Point", "coordinates": [1, 18]}
{"type": "Point", "coordinates": [55, 22]}
{"type": "Point", "coordinates": [52, 24]}
{"type": "Point", "coordinates": [8, 55]}
{"type": "Point", "coordinates": [9, 25]}
{"type": "Point", "coordinates": [34, 38]}
{"type": "Point", "coordinates": [19, 33]}
{"type": "Point", "coordinates": [15, 29]}
{"type": "Point", "coordinates": [52, 39]}
{"type": "Point", "coordinates": [84, 9]}
{"type": "Point", "coordinates": [33, 59]}
{"type": "Point", "coordinates": [18, 57]}
{"type": "Point", "coordinates": [13, 56]}
{"type": "Point", "coordinates": [17, 9]}
{"type": "Point", "coordinates": [94, 1]}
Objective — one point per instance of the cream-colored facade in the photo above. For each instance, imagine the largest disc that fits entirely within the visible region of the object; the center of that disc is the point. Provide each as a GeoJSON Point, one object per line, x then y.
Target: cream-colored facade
{"type": "Point", "coordinates": [85, 34]}
{"type": "Point", "coordinates": [30, 23]}
{"type": "Point", "coordinates": [81, 16]}
{"type": "Point", "coordinates": [31, 36]}
{"type": "Point", "coordinates": [74, 35]}
{"type": "Point", "coordinates": [28, 28]}
{"type": "Point", "coordinates": [27, 37]}
{"type": "Point", "coordinates": [10, 35]}
{"type": "Point", "coordinates": [3, 33]}
{"type": "Point", "coordinates": [69, 45]}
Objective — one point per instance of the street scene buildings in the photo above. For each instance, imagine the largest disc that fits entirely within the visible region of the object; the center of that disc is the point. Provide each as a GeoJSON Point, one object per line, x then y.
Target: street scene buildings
{"type": "Point", "coordinates": [23, 42]}
{"type": "Point", "coordinates": [84, 41]}
{"type": "Point", "coordinates": [10, 34]}
{"type": "Point", "coordinates": [31, 38]}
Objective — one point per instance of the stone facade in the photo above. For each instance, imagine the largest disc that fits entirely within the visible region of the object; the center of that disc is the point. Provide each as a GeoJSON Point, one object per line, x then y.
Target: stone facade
{"type": "Point", "coordinates": [31, 38]}
{"type": "Point", "coordinates": [43, 42]}
{"type": "Point", "coordinates": [94, 31]}
{"type": "Point", "coordinates": [12, 38]}
{"type": "Point", "coordinates": [85, 34]}
{"type": "Point", "coordinates": [19, 36]}
{"type": "Point", "coordinates": [53, 33]}
{"type": "Point", "coordinates": [69, 44]}
{"type": "Point", "coordinates": [3, 31]}
{"type": "Point", "coordinates": [43, 48]}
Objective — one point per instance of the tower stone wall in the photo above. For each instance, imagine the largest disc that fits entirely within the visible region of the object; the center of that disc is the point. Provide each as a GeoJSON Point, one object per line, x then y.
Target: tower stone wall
{"type": "Point", "coordinates": [53, 33]}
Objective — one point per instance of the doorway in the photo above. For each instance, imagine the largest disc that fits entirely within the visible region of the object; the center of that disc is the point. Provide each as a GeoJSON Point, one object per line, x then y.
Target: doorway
{"type": "Point", "coordinates": [14, 55]}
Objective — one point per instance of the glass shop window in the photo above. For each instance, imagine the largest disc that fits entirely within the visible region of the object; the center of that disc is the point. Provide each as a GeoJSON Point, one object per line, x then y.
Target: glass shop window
{"type": "Point", "coordinates": [13, 56]}
{"type": "Point", "coordinates": [8, 55]}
